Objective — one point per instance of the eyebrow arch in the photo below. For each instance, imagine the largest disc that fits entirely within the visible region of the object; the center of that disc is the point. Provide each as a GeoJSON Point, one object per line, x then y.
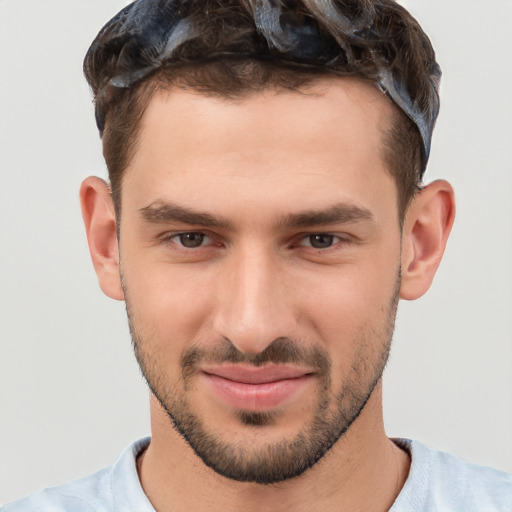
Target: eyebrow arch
{"type": "Point", "coordinates": [336, 214]}
{"type": "Point", "coordinates": [160, 212]}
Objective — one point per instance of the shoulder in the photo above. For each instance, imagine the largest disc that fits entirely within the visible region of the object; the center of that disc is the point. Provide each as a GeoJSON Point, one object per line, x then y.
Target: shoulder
{"type": "Point", "coordinates": [89, 494]}
{"type": "Point", "coordinates": [116, 487]}
{"type": "Point", "coordinates": [439, 481]}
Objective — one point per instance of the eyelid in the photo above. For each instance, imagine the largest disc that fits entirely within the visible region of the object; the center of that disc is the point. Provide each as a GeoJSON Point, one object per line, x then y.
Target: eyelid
{"type": "Point", "coordinates": [341, 236]}
{"type": "Point", "coordinates": [172, 236]}
{"type": "Point", "coordinates": [340, 239]}
{"type": "Point", "coordinates": [298, 240]}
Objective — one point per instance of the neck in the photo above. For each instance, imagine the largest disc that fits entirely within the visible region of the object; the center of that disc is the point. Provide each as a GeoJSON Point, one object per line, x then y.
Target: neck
{"type": "Point", "coordinates": [364, 471]}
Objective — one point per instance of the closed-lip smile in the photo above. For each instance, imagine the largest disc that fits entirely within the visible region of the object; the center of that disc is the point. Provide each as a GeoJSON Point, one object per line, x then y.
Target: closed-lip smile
{"type": "Point", "coordinates": [255, 388]}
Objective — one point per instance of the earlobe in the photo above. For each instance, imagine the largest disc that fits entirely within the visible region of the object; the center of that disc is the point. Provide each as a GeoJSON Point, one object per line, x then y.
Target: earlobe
{"type": "Point", "coordinates": [100, 225]}
{"type": "Point", "coordinates": [427, 226]}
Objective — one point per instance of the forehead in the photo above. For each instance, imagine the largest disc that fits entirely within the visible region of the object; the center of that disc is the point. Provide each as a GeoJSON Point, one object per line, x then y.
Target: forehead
{"type": "Point", "coordinates": [325, 137]}
{"type": "Point", "coordinates": [307, 111]}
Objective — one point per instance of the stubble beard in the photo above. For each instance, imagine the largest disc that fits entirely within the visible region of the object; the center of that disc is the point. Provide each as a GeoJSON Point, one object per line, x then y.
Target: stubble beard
{"type": "Point", "coordinates": [287, 458]}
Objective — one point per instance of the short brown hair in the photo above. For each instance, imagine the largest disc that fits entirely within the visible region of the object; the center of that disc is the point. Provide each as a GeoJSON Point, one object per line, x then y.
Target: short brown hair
{"type": "Point", "coordinates": [230, 48]}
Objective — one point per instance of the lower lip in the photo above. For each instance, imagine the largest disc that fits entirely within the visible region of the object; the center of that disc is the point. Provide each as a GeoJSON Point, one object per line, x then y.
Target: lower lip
{"type": "Point", "coordinates": [256, 397]}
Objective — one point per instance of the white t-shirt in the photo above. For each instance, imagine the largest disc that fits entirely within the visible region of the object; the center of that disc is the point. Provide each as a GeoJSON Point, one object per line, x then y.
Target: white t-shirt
{"type": "Point", "coordinates": [437, 482]}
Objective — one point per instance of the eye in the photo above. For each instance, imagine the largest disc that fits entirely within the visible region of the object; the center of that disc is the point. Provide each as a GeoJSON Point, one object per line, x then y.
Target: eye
{"type": "Point", "coordinates": [320, 240]}
{"type": "Point", "coordinates": [190, 240]}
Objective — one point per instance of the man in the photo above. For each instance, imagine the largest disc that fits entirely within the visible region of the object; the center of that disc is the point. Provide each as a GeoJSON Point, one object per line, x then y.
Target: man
{"type": "Point", "coordinates": [264, 215]}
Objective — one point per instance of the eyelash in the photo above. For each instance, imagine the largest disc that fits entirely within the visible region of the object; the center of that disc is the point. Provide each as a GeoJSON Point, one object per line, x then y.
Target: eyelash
{"type": "Point", "coordinates": [172, 237]}
{"type": "Point", "coordinates": [338, 239]}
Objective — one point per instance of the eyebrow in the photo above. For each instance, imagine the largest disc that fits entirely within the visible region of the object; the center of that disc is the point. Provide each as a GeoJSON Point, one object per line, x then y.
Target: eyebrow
{"type": "Point", "coordinates": [161, 212]}
{"type": "Point", "coordinates": [337, 214]}
{"type": "Point", "coordinates": [341, 213]}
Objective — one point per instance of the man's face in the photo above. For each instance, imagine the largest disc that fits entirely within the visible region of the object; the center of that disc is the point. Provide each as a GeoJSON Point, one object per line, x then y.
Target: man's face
{"type": "Point", "coordinates": [259, 251]}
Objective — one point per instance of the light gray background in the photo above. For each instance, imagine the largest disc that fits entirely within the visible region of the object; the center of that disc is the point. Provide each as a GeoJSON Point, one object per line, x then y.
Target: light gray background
{"type": "Point", "coordinates": [71, 394]}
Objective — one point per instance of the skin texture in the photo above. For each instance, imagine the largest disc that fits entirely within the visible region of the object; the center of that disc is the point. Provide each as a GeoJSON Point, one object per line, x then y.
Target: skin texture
{"type": "Point", "coordinates": [257, 172]}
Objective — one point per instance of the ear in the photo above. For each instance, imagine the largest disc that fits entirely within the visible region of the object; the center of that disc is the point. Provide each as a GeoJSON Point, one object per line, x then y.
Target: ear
{"type": "Point", "coordinates": [100, 225]}
{"type": "Point", "coordinates": [427, 225]}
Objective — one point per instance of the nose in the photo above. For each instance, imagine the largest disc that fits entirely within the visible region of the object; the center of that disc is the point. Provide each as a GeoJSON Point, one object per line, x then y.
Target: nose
{"type": "Point", "coordinates": [254, 306]}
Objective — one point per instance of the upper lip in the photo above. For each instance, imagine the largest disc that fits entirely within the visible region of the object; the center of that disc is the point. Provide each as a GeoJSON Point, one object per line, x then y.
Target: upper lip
{"type": "Point", "coordinates": [248, 374]}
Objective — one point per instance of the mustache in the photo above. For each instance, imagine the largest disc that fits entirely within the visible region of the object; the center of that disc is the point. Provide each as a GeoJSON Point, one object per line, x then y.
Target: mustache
{"type": "Point", "coordinates": [280, 351]}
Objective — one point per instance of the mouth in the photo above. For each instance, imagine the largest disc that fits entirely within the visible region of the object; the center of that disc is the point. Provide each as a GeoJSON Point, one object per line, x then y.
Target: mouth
{"type": "Point", "coordinates": [255, 389]}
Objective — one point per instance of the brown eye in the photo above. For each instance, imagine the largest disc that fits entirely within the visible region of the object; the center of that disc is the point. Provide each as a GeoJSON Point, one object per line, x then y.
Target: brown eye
{"type": "Point", "coordinates": [191, 240]}
{"type": "Point", "coordinates": [321, 240]}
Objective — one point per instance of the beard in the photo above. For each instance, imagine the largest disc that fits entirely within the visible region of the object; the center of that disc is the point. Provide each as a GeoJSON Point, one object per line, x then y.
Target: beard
{"type": "Point", "coordinates": [335, 409]}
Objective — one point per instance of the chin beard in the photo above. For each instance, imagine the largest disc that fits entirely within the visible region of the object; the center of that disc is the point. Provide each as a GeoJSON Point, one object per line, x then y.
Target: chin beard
{"type": "Point", "coordinates": [337, 406]}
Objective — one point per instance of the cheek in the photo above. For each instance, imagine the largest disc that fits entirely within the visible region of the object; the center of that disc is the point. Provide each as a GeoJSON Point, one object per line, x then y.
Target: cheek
{"type": "Point", "coordinates": [169, 304]}
{"type": "Point", "coordinates": [349, 302]}
{"type": "Point", "coordinates": [333, 305]}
